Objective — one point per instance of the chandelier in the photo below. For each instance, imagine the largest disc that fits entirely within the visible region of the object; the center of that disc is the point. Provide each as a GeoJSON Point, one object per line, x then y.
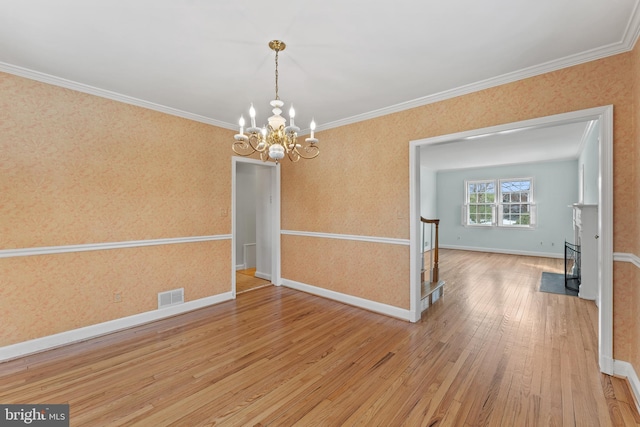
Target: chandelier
{"type": "Point", "coordinates": [275, 139]}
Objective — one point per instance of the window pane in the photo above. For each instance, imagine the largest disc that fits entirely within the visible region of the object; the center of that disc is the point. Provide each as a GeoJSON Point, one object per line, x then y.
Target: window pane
{"type": "Point", "coordinates": [481, 197]}
{"type": "Point", "coordinates": [515, 207]}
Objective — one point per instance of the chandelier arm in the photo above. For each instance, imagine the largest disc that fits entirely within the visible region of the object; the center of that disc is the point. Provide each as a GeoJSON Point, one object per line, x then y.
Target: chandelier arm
{"type": "Point", "coordinates": [294, 155]}
{"type": "Point", "coordinates": [239, 153]}
{"type": "Point", "coordinates": [276, 139]}
{"type": "Point", "coordinates": [250, 145]}
{"type": "Point", "coordinates": [241, 147]}
{"type": "Point", "coordinates": [312, 149]}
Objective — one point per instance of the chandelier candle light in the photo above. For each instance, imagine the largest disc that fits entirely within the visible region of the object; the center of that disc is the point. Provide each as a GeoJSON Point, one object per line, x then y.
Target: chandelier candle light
{"type": "Point", "coordinates": [275, 139]}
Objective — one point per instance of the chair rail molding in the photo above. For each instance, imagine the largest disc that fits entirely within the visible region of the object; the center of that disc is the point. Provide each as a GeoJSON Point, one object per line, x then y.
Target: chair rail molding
{"type": "Point", "coordinates": [47, 250]}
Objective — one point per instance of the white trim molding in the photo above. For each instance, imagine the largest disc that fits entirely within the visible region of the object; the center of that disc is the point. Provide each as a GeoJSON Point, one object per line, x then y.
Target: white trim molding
{"type": "Point", "coordinates": [103, 93]}
{"type": "Point", "coordinates": [48, 250]}
{"type": "Point", "coordinates": [274, 226]}
{"type": "Point", "coordinates": [632, 33]}
{"type": "Point", "coordinates": [625, 370]}
{"type": "Point", "coordinates": [262, 275]}
{"type": "Point", "coordinates": [352, 237]}
{"type": "Point", "coordinates": [620, 368]}
{"type": "Point", "coordinates": [363, 303]}
{"type": "Point", "coordinates": [625, 257]}
{"type": "Point", "coordinates": [627, 42]}
{"type": "Point", "coordinates": [82, 334]}
{"type": "Point", "coordinates": [605, 212]}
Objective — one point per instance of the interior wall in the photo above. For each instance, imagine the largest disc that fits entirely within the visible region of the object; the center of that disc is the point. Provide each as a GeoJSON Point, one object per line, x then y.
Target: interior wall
{"type": "Point", "coordinates": [428, 204]}
{"type": "Point", "coordinates": [635, 185]}
{"type": "Point", "coordinates": [264, 222]}
{"type": "Point", "coordinates": [626, 280]}
{"type": "Point", "coordinates": [588, 166]}
{"type": "Point", "coordinates": [245, 211]}
{"type": "Point", "coordinates": [555, 188]}
{"type": "Point", "coordinates": [79, 169]}
{"type": "Point", "coordinates": [360, 182]}
{"type": "Point", "coordinates": [629, 298]}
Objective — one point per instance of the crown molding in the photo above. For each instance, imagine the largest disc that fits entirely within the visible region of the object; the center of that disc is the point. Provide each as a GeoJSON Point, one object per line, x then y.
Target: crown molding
{"type": "Point", "coordinates": [525, 73]}
{"type": "Point", "coordinates": [632, 32]}
{"type": "Point", "coordinates": [630, 38]}
{"type": "Point", "coordinates": [91, 90]}
{"type": "Point", "coordinates": [631, 35]}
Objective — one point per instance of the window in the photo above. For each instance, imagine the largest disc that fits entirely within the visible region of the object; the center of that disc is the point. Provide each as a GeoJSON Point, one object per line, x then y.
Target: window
{"type": "Point", "coordinates": [481, 199]}
{"type": "Point", "coordinates": [502, 203]}
{"type": "Point", "coordinates": [515, 209]}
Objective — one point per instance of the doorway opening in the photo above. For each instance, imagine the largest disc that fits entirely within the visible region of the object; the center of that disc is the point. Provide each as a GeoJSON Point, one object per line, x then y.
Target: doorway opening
{"type": "Point", "coordinates": [604, 117]}
{"type": "Point", "coordinates": [246, 280]}
{"type": "Point", "coordinates": [255, 247]}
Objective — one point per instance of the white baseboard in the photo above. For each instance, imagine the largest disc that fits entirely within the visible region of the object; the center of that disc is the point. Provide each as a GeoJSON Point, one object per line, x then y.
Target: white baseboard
{"type": "Point", "coordinates": [504, 251]}
{"type": "Point", "coordinates": [262, 275]}
{"type": "Point", "coordinates": [606, 364]}
{"type": "Point", "coordinates": [625, 369]}
{"type": "Point", "coordinates": [240, 267]}
{"type": "Point", "coordinates": [366, 304]}
{"type": "Point", "coordinates": [82, 334]}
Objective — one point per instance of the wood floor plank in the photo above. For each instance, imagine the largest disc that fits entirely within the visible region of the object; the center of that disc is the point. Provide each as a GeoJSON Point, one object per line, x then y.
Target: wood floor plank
{"type": "Point", "coordinates": [492, 351]}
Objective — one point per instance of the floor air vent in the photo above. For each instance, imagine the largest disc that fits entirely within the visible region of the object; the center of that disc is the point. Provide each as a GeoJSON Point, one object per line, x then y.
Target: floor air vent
{"type": "Point", "coordinates": [169, 298]}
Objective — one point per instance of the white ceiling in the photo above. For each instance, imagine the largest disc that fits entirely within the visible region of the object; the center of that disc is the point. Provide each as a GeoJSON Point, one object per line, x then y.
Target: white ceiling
{"type": "Point", "coordinates": [346, 60]}
{"type": "Point", "coordinates": [518, 146]}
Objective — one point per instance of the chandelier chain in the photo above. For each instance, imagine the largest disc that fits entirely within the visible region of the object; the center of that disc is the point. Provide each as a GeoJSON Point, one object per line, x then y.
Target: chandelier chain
{"type": "Point", "coordinates": [277, 97]}
{"type": "Point", "coordinates": [275, 140]}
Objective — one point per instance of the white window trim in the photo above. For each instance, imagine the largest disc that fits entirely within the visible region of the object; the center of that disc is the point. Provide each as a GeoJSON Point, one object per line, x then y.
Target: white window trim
{"type": "Point", "coordinates": [496, 212]}
{"type": "Point", "coordinates": [466, 204]}
{"type": "Point", "coordinates": [531, 203]}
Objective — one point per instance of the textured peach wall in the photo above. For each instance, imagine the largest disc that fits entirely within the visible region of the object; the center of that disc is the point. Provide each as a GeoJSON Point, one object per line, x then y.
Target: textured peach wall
{"type": "Point", "coordinates": [44, 295]}
{"type": "Point", "coordinates": [75, 169]}
{"type": "Point", "coordinates": [350, 267]}
{"type": "Point", "coordinates": [626, 303]}
{"type": "Point", "coordinates": [360, 182]}
{"type": "Point", "coordinates": [364, 166]}
{"type": "Point", "coordinates": [629, 299]}
{"type": "Point", "coordinates": [636, 163]}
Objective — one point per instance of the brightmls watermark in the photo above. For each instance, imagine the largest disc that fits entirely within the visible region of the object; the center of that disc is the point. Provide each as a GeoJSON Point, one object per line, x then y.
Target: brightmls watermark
{"type": "Point", "coordinates": [34, 415]}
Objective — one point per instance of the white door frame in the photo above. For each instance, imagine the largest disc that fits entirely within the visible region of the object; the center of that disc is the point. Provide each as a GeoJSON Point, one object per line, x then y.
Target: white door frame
{"type": "Point", "coordinates": [605, 213]}
{"type": "Point", "coordinates": [275, 218]}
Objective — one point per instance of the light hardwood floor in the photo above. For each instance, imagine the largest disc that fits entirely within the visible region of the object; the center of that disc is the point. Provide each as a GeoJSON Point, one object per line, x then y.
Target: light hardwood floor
{"type": "Point", "coordinates": [246, 280]}
{"type": "Point", "coordinates": [493, 351]}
